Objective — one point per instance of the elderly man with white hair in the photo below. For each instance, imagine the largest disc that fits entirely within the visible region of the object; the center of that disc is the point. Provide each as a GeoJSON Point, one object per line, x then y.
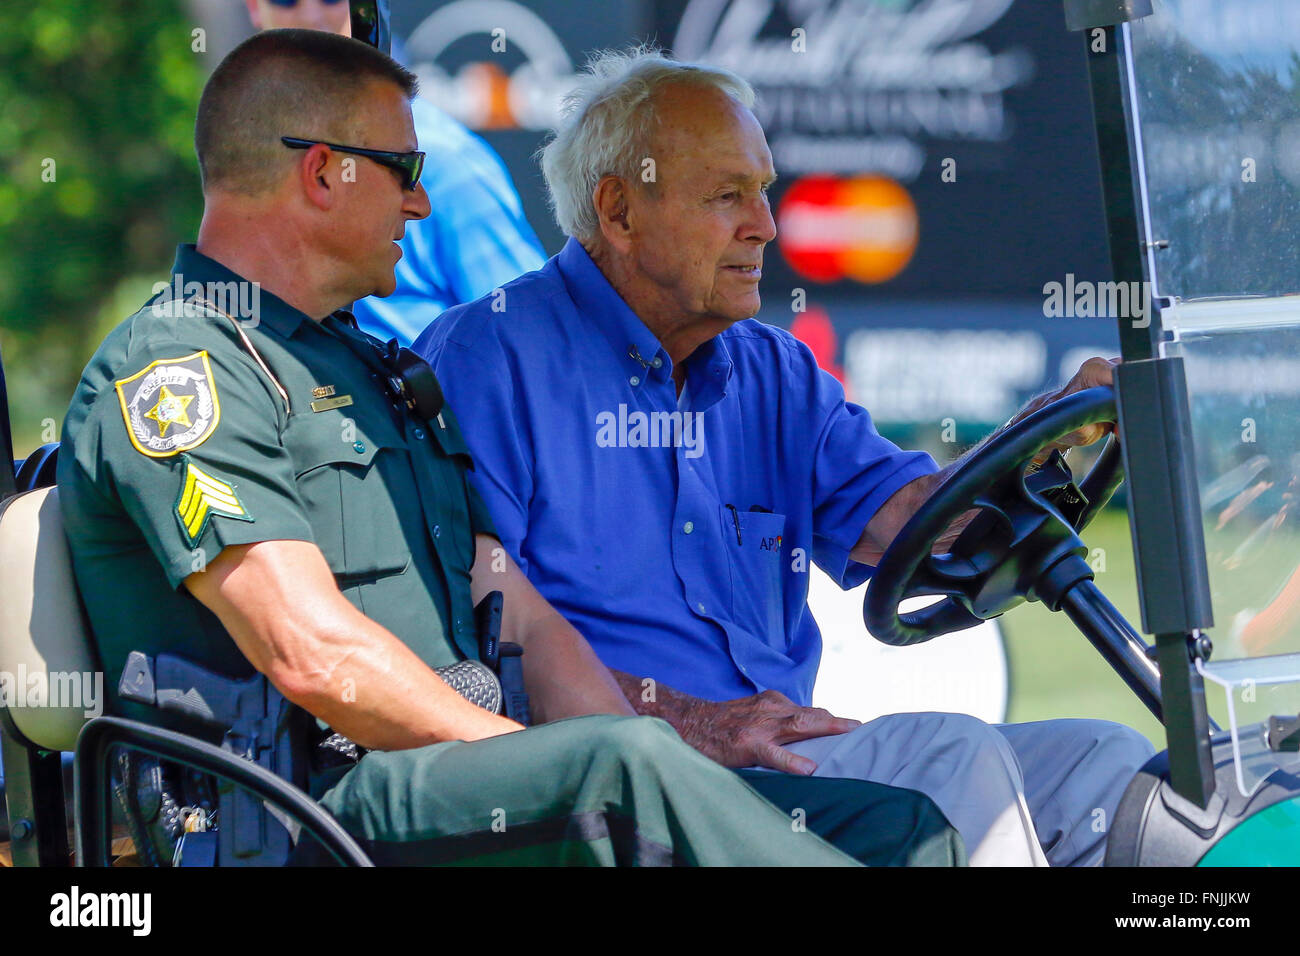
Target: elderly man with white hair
{"type": "Point", "coordinates": [660, 464]}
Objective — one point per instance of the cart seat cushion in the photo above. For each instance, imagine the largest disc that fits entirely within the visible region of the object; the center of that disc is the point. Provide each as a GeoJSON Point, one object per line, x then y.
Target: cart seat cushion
{"type": "Point", "coordinates": [49, 681]}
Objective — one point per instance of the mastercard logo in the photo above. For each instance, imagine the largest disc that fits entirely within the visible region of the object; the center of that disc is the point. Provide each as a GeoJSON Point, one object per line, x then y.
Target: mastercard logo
{"type": "Point", "coordinates": [486, 86]}
{"type": "Point", "coordinates": [864, 228]}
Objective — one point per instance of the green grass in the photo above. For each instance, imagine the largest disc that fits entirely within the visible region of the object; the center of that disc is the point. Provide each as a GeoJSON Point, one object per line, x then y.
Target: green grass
{"type": "Point", "coordinates": [1054, 670]}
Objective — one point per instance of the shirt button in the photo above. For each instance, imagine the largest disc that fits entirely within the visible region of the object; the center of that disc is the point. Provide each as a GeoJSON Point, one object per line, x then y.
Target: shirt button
{"type": "Point", "coordinates": [700, 608]}
{"type": "Point", "coordinates": [658, 362]}
{"type": "Point", "coordinates": [688, 527]}
{"type": "Point", "coordinates": [437, 531]}
{"type": "Point", "coordinates": [635, 380]}
{"type": "Point", "coordinates": [359, 447]}
{"type": "Point", "coordinates": [419, 434]}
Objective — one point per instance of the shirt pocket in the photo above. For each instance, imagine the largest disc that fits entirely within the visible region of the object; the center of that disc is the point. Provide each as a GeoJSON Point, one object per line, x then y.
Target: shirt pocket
{"type": "Point", "coordinates": [339, 466]}
{"type": "Point", "coordinates": [754, 550]}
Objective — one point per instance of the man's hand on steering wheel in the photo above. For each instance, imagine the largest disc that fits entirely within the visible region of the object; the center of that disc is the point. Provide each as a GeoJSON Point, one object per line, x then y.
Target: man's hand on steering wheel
{"type": "Point", "coordinates": [895, 513]}
{"type": "Point", "coordinates": [1022, 544]}
{"type": "Point", "coordinates": [1095, 371]}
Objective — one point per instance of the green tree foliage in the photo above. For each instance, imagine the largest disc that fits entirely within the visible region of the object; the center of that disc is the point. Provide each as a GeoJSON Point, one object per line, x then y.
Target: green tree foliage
{"type": "Point", "coordinates": [98, 179]}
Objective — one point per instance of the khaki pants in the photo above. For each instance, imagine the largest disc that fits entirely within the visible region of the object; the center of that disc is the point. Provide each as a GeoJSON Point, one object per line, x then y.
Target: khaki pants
{"type": "Point", "coordinates": [607, 790]}
{"type": "Point", "coordinates": [1029, 794]}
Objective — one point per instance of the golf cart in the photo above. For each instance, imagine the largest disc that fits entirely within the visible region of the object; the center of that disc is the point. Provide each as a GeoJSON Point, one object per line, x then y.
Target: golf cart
{"type": "Point", "coordinates": [1208, 507]}
{"type": "Point", "coordinates": [1195, 115]}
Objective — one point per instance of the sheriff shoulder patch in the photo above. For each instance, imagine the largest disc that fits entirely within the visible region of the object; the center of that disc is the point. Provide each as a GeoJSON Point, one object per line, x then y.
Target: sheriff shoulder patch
{"type": "Point", "coordinates": [203, 495]}
{"type": "Point", "coordinates": [170, 406]}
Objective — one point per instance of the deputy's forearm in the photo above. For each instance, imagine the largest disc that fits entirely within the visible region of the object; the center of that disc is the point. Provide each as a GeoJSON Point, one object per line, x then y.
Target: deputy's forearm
{"type": "Point", "coordinates": [370, 687]}
{"type": "Point", "coordinates": [328, 657]}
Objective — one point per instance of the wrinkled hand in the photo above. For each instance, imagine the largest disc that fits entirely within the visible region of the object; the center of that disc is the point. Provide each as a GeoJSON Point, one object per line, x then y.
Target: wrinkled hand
{"type": "Point", "coordinates": [1092, 373]}
{"type": "Point", "coordinates": [749, 731]}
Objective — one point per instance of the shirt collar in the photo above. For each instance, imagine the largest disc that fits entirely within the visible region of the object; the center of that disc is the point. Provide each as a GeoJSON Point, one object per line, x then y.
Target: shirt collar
{"type": "Point", "coordinates": [709, 372]}
{"type": "Point", "coordinates": [192, 266]}
{"type": "Point", "coordinates": [636, 346]}
{"type": "Point", "coordinates": [631, 339]}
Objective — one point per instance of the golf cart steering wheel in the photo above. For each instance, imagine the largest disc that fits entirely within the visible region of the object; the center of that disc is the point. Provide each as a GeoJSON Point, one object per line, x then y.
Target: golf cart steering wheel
{"type": "Point", "coordinates": [1023, 544]}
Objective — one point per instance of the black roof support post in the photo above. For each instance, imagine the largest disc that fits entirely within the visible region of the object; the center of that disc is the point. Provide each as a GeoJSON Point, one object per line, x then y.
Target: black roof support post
{"type": "Point", "coordinates": [8, 486]}
{"type": "Point", "coordinates": [1154, 420]}
{"type": "Point", "coordinates": [370, 23]}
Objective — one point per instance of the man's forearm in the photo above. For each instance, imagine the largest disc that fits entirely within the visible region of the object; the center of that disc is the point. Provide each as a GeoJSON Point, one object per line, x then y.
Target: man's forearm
{"type": "Point", "coordinates": [562, 674]}
{"type": "Point", "coordinates": [650, 698]}
{"type": "Point", "coordinates": [642, 697]}
{"type": "Point", "coordinates": [898, 510]}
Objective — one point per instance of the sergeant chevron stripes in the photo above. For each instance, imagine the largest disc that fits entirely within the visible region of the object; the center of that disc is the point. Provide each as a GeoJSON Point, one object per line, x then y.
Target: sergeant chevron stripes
{"type": "Point", "coordinates": [202, 496]}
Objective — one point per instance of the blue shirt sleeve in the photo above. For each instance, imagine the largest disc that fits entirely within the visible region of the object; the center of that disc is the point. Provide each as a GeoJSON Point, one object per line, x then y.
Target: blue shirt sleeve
{"type": "Point", "coordinates": [855, 471]}
{"type": "Point", "coordinates": [478, 384]}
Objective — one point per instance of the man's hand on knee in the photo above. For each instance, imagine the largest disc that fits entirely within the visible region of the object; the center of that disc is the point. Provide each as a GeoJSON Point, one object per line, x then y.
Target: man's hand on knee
{"type": "Point", "coordinates": [751, 731]}
{"type": "Point", "coordinates": [744, 732]}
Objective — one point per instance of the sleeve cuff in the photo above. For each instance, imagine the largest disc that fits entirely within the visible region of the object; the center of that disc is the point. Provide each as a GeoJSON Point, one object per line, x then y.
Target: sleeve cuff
{"type": "Point", "coordinates": [480, 518]}
{"type": "Point", "coordinates": [181, 565]}
{"type": "Point", "coordinates": [833, 554]}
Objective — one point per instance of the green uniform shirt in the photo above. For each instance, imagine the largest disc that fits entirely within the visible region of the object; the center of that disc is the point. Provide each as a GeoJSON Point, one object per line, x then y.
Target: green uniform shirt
{"type": "Point", "coordinates": [178, 443]}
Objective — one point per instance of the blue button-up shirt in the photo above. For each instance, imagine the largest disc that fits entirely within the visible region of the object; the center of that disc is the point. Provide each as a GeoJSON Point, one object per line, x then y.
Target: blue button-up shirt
{"type": "Point", "coordinates": [474, 239]}
{"type": "Point", "coordinates": [679, 546]}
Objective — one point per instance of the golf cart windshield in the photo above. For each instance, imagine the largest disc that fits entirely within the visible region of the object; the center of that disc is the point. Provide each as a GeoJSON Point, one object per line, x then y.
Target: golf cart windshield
{"type": "Point", "coordinates": [1214, 100]}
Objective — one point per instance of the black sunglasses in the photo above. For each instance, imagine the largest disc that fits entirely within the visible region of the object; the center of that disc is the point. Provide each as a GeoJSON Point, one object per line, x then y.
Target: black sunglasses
{"type": "Point", "coordinates": [408, 164]}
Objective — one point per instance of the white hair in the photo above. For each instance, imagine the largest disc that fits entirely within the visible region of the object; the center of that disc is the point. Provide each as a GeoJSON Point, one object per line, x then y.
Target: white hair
{"type": "Point", "coordinates": [606, 126]}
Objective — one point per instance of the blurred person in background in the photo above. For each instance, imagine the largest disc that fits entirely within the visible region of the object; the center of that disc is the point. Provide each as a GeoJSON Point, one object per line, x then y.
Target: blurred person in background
{"type": "Point", "coordinates": [475, 239]}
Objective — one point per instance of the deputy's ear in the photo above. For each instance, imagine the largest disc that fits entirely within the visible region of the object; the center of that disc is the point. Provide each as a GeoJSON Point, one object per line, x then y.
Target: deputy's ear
{"type": "Point", "coordinates": [254, 14]}
{"type": "Point", "coordinates": [611, 203]}
{"type": "Point", "coordinates": [314, 176]}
